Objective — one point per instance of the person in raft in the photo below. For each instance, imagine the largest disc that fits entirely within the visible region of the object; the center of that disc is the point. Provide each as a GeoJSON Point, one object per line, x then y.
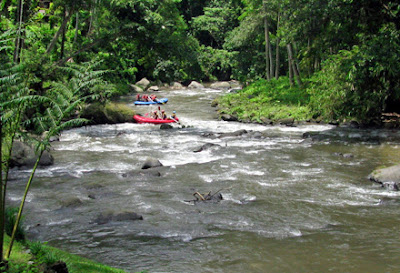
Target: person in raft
{"type": "Point", "coordinates": [163, 115]}
{"type": "Point", "coordinates": [153, 97]}
{"type": "Point", "coordinates": [173, 116]}
{"type": "Point", "coordinates": [155, 115]}
{"type": "Point", "coordinates": [145, 98]}
{"type": "Point", "coordinates": [139, 97]}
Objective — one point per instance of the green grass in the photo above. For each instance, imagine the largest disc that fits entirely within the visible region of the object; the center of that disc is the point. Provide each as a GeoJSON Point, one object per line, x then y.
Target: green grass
{"type": "Point", "coordinates": [31, 260]}
{"type": "Point", "coordinates": [272, 100]}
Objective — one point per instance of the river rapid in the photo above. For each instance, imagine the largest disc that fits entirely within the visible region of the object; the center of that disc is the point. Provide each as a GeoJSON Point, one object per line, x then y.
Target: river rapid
{"type": "Point", "coordinates": [290, 204]}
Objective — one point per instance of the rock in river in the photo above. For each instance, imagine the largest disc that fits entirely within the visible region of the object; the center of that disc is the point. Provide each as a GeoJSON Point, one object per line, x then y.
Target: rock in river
{"type": "Point", "coordinates": [387, 177]}
{"type": "Point", "coordinates": [107, 217]}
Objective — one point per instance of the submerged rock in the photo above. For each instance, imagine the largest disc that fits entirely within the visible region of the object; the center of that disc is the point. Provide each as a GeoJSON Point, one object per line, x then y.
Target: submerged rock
{"type": "Point", "coordinates": [151, 163]}
{"type": "Point", "coordinates": [107, 217]}
{"type": "Point", "coordinates": [144, 172]}
{"type": "Point", "coordinates": [206, 146]}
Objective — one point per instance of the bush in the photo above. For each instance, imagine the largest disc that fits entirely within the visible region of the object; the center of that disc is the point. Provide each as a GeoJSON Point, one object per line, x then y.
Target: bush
{"type": "Point", "coordinates": [358, 84]}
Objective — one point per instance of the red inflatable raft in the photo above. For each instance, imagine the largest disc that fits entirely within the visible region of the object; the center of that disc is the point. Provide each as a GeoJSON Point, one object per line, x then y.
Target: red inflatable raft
{"type": "Point", "coordinates": [141, 119]}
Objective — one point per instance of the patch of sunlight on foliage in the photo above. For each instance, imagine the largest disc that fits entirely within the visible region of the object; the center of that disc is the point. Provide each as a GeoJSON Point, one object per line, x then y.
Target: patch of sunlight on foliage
{"type": "Point", "coordinates": [30, 259]}
{"type": "Point", "coordinates": [273, 100]}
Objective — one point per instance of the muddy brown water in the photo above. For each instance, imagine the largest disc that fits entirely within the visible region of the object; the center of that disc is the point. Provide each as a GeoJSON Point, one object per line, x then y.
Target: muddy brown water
{"type": "Point", "coordinates": [290, 204]}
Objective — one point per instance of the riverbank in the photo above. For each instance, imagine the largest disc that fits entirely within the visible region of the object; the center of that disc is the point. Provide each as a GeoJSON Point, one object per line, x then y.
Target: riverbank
{"type": "Point", "coordinates": [37, 257]}
{"type": "Point", "coordinates": [277, 102]}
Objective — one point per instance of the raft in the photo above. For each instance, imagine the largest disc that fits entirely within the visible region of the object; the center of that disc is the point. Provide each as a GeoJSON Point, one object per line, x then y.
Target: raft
{"type": "Point", "coordinates": [157, 101]}
{"type": "Point", "coordinates": [141, 119]}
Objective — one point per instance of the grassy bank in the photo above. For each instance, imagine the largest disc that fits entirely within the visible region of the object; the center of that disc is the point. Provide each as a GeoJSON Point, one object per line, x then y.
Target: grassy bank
{"type": "Point", "coordinates": [34, 257]}
{"type": "Point", "coordinates": [267, 100]}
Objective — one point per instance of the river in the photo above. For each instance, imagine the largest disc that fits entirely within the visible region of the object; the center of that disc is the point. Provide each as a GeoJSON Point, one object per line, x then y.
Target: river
{"type": "Point", "coordinates": [290, 204]}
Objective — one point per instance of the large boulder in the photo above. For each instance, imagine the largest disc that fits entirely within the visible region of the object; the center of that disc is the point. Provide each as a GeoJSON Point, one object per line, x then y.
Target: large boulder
{"type": "Point", "coordinates": [135, 88]}
{"type": "Point", "coordinates": [23, 155]}
{"type": "Point", "coordinates": [195, 85]}
{"type": "Point", "coordinates": [177, 86]}
{"type": "Point", "coordinates": [110, 113]}
{"type": "Point", "coordinates": [153, 88]}
{"type": "Point", "coordinates": [143, 83]}
{"type": "Point", "coordinates": [220, 85]}
{"type": "Point", "coordinates": [387, 177]}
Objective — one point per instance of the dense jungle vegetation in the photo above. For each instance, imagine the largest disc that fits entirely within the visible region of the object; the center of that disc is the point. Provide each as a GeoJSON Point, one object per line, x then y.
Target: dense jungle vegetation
{"type": "Point", "coordinates": [326, 59]}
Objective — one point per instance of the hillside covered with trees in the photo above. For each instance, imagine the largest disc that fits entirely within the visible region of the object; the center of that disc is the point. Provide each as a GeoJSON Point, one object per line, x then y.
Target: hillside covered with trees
{"type": "Point", "coordinates": [343, 55]}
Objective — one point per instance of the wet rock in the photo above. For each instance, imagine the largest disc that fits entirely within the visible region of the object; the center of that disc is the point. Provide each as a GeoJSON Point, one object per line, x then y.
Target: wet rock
{"type": "Point", "coordinates": [387, 177]}
{"type": "Point", "coordinates": [108, 217]}
{"type": "Point", "coordinates": [166, 126]}
{"type": "Point", "coordinates": [266, 121]}
{"type": "Point", "coordinates": [110, 113]}
{"type": "Point", "coordinates": [71, 202]}
{"type": "Point", "coordinates": [206, 146]}
{"type": "Point", "coordinates": [151, 163]}
{"type": "Point", "coordinates": [24, 155]}
{"type": "Point", "coordinates": [286, 121]}
{"type": "Point", "coordinates": [233, 134]}
{"type": "Point", "coordinates": [227, 117]}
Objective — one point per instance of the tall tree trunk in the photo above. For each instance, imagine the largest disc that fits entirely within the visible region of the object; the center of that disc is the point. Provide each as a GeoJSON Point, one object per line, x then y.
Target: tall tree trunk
{"type": "Point", "coordinates": [271, 62]}
{"type": "Point", "coordinates": [293, 65]}
{"type": "Point", "coordinates": [296, 61]}
{"type": "Point", "coordinates": [76, 28]}
{"type": "Point", "coordinates": [21, 207]}
{"type": "Point", "coordinates": [277, 64]}
{"type": "Point", "coordinates": [2, 197]}
{"type": "Point", "coordinates": [18, 40]}
{"type": "Point", "coordinates": [60, 30]}
{"type": "Point", "coordinates": [93, 17]}
{"type": "Point", "coordinates": [290, 66]}
{"type": "Point", "coordinates": [267, 45]}
{"type": "Point", "coordinates": [63, 37]}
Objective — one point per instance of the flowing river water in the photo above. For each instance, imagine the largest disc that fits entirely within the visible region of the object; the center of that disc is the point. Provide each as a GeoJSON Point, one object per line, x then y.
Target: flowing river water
{"type": "Point", "coordinates": [290, 204]}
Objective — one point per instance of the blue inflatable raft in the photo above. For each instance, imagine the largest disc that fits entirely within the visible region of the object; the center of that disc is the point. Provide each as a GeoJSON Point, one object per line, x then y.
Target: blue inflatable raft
{"type": "Point", "coordinates": [157, 101]}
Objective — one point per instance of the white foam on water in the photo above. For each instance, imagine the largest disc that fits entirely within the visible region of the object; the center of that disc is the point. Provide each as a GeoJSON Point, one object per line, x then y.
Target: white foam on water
{"type": "Point", "coordinates": [60, 222]}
